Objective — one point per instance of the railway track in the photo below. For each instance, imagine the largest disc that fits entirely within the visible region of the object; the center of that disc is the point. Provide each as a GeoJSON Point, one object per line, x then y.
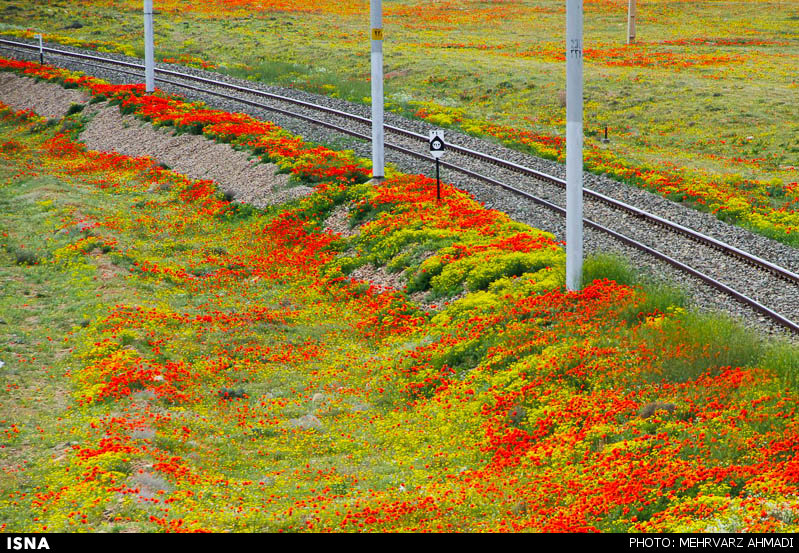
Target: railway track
{"type": "Point", "coordinates": [604, 212]}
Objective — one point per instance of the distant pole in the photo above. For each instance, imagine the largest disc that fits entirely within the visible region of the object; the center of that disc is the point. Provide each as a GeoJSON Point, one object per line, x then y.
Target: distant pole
{"type": "Point", "coordinates": [574, 144]}
{"type": "Point", "coordinates": [378, 157]}
{"type": "Point", "coordinates": [41, 48]}
{"type": "Point", "coordinates": [631, 22]}
{"type": "Point", "coordinates": [149, 56]}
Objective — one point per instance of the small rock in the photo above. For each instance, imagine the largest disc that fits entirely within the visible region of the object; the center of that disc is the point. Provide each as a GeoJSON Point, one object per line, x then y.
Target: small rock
{"type": "Point", "coordinates": [149, 485]}
{"type": "Point", "coordinates": [143, 434]}
{"type": "Point", "coordinates": [158, 186]}
{"type": "Point", "coordinates": [306, 422]}
{"type": "Point", "coordinates": [144, 395]}
{"type": "Point", "coordinates": [318, 398]}
{"type": "Point", "coordinates": [654, 406]}
{"type": "Point", "coordinates": [267, 481]}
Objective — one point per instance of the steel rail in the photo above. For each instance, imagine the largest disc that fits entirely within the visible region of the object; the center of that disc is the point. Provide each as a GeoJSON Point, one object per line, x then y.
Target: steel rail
{"type": "Point", "coordinates": [707, 240]}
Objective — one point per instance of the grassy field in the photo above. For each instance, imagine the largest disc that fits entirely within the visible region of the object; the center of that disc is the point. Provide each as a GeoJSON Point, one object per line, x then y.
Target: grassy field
{"type": "Point", "coordinates": [176, 362]}
{"type": "Point", "coordinates": [702, 109]}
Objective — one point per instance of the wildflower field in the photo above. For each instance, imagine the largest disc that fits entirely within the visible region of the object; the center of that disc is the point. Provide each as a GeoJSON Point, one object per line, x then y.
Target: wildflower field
{"type": "Point", "coordinates": [702, 109]}
{"type": "Point", "coordinates": [172, 361]}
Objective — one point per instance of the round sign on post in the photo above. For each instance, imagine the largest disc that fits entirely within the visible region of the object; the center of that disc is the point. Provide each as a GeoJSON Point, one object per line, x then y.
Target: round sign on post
{"type": "Point", "coordinates": [437, 150]}
{"type": "Point", "coordinates": [436, 143]}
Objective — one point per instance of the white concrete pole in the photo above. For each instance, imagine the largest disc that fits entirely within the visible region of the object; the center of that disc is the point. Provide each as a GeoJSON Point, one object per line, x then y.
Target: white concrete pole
{"type": "Point", "coordinates": [149, 56]}
{"type": "Point", "coordinates": [41, 48]}
{"type": "Point", "coordinates": [574, 144]}
{"type": "Point", "coordinates": [378, 157]}
{"type": "Point", "coordinates": [631, 21]}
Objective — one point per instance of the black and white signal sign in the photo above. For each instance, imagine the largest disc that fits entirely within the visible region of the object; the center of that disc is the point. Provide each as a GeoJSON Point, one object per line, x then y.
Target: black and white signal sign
{"type": "Point", "coordinates": [437, 143]}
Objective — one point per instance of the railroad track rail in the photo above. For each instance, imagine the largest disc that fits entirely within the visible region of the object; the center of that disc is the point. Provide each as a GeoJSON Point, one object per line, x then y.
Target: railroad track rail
{"type": "Point", "coordinates": [414, 145]}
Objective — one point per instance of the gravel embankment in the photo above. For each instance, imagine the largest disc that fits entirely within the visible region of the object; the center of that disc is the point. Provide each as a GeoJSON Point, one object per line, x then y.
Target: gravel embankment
{"type": "Point", "coordinates": [197, 157]}
{"type": "Point", "coordinates": [46, 99]}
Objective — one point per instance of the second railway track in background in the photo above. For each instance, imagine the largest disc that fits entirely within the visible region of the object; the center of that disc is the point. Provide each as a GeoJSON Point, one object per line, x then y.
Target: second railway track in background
{"type": "Point", "coordinates": [609, 211]}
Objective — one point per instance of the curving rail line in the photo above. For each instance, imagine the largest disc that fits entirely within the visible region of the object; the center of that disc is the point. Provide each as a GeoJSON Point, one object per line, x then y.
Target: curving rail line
{"type": "Point", "coordinates": [136, 70]}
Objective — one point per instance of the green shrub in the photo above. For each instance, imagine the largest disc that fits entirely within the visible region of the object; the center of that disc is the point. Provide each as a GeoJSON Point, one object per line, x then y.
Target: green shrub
{"type": "Point", "coordinates": [430, 268]}
{"type": "Point", "coordinates": [75, 108]}
{"type": "Point", "coordinates": [509, 265]}
{"type": "Point", "coordinates": [24, 257]}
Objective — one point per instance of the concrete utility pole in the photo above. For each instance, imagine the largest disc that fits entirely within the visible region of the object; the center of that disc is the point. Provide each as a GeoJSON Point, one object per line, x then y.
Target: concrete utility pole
{"type": "Point", "coordinates": [631, 22]}
{"type": "Point", "coordinates": [149, 56]}
{"type": "Point", "coordinates": [378, 154]}
{"type": "Point", "coordinates": [574, 144]}
{"type": "Point", "coordinates": [41, 47]}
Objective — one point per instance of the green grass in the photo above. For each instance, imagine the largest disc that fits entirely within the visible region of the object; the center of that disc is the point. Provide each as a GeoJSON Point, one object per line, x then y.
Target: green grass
{"type": "Point", "coordinates": [39, 309]}
{"type": "Point", "coordinates": [305, 77]}
{"type": "Point", "coordinates": [610, 266]}
{"type": "Point", "coordinates": [716, 339]}
{"type": "Point", "coordinates": [658, 297]}
{"type": "Point", "coordinates": [49, 307]}
{"type": "Point", "coordinates": [783, 359]}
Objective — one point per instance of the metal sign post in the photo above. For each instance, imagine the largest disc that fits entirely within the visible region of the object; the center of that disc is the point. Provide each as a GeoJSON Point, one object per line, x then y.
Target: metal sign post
{"type": "Point", "coordinates": [149, 56]}
{"type": "Point", "coordinates": [378, 155]}
{"type": "Point", "coordinates": [437, 150]}
{"type": "Point", "coordinates": [41, 48]}
{"type": "Point", "coordinates": [574, 144]}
